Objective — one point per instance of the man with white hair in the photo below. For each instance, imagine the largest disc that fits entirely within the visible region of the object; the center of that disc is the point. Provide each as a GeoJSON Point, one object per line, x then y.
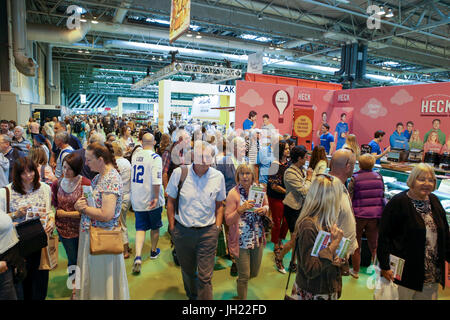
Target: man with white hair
{"type": "Point", "coordinates": [147, 197]}
{"type": "Point", "coordinates": [19, 142]}
{"type": "Point", "coordinates": [12, 154]}
{"type": "Point", "coordinates": [341, 166]}
{"type": "Point", "coordinates": [62, 142]}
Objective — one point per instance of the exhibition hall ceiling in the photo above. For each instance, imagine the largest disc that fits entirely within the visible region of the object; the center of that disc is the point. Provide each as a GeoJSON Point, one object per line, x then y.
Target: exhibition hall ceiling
{"type": "Point", "coordinates": [128, 40]}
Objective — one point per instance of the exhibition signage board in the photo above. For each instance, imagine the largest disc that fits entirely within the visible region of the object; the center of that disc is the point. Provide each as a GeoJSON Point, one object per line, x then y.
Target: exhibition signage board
{"type": "Point", "coordinates": [180, 18]}
{"type": "Point", "coordinates": [303, 126]}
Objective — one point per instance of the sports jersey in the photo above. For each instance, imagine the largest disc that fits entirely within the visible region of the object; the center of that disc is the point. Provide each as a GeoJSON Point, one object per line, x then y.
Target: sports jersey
{"type": "Point", "coordinates": [146, 171]}
{"type": "Point", "coordinates": [341, 127]}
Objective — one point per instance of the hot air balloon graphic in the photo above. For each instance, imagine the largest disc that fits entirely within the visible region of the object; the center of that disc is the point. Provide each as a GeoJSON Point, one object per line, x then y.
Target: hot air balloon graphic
{"type": "Point", "coordinates": [281, 101]}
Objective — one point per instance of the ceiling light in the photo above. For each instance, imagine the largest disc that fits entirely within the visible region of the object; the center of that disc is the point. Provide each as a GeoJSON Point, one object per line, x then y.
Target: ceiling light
{"type": "Point", "coordinates": [83, 19]}
{"type": "Point", "coordinates": [80, 51]}
{"type": "Point", "coordinates": [343, 1]}
{"type": "Point", "coordinates": [160, 59]}
{"type": "Point", "coordinates": [381, 12]}
{"type": "Point", "coordinates": [260, 16]}
{"type": "Point", "coordinates": [87, 51]}
{"type": "Point", "coordinates": [384, 68]}
{"type": "Point", "coordinates": [278, 48]}
{"type": "Point", "coordinates": [198, 36]}
{"type": "Point", "coordinates": [189, 34]}
{"type": "Point", "coordinates": [388, 68]}
{"type": "Point", "coordinates": [153, 58]}
{"type": "Point", "coordinates": [390, 14]}
{"type": "Point", "coordinates": [94, 21]}
{"type": "Point", "coordinates": [335, 59]}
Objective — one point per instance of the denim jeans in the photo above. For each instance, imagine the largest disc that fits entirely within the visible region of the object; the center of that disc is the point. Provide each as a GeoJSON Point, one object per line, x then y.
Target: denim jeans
{"type": "Point", "coordinates": [7, 290]}
{"type": "Point", "coordinates": [71, 247]}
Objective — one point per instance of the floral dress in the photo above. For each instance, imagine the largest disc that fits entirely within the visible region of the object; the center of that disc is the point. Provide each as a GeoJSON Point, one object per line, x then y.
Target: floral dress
{"type": "Point", "coordinates": [104, 276]}
{"type": "Point", "coordinates": [432, 272]}
{"type": "Point", "coordinates": [251, 230]}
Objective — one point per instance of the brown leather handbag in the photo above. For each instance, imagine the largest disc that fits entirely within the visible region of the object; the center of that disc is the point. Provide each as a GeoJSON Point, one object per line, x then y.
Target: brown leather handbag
{"type": "Point", "coordinates": [106, 241]}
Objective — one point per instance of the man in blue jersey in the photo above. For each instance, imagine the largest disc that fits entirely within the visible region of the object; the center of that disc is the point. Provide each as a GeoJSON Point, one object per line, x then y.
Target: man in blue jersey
{"type": "Point", "coordinates": [326, 138]}
{"type": "Point", "coordinates": [250, 122]}
{"type": "Point", "coordinates": [340, 134]}
{"type": "Point", "coordinates": [397, 139]}
{"type": "Point", "coordinates": [375, 146]}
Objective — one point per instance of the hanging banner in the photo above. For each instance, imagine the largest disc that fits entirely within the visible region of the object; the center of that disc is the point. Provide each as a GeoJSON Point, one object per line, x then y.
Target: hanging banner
{"type": "Point", "coordinates": [303, 126]}
{"type": "Point", "coordinates": [180, 18]}
{"type": "Point", "coordinates": [255, 63]}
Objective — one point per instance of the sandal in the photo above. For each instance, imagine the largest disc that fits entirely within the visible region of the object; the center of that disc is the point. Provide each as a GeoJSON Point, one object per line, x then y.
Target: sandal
{"type": "Point", "coordinates": [280, 266]}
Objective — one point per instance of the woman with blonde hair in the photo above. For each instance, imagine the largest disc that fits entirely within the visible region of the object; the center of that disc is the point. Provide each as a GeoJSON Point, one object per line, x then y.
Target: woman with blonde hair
{"type": "Point", "coordinates": [353, 145]}
{"type": "Point", "coordinates": [319, 278]}
{"type": "Point", "coordinates": [432, 144]}
{"type": "Point", "coordinates": [125, 173]}
{"type": "Point", "coordinates": [415, 142]}
{"type": "Point", "coordinates": [246, 237]}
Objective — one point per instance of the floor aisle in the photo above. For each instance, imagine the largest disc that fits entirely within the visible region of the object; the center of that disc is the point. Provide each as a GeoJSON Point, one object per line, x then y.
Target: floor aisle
{"type": "Point", "coordinates": [160, 279]}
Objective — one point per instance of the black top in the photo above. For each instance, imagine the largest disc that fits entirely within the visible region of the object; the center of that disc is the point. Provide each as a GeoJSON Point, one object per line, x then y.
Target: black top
{"type": "Point", "coordinates": [402, 232]}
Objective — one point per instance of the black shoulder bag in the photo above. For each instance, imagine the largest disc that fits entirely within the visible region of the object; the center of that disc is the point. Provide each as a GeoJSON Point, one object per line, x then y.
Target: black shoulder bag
{"type": "Point", "coordinates": [287, 296]}
{"type": "Point", "coordinates": [32, 236]}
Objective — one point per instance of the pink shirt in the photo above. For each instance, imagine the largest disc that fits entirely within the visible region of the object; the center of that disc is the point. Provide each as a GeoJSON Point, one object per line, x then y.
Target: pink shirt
{"type": "Point", "coordinates": [434, 147]}
{"type": "Point", "coordinates": [232, 219]}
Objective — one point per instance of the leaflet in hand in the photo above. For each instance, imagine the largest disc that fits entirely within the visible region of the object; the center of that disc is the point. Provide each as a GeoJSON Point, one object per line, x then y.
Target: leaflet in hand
{"type": "Point", "coordinates": [257, 194]}
{"type": "Point", "coordinates": [35, 212]}
{"type": "Point", "coordinates": [323, 239]}
{"type": "Point", "coordinates": [87, 193]}
{"type": "Point", "coordinates": [397, 265]}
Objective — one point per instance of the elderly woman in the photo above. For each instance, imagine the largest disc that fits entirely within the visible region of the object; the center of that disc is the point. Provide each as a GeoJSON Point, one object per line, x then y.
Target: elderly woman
{"type": "Point", "coordinates": [27, 192]}
{"type": "Point", "coordinates": [125, 173]}
{"type": "Point", "coordinates": [102, 276]}
{"type": "Point", "coordinates": [366, 189]}
{"type": "Point", "coordinates": [319, 277]}
{"type": "Point", "coordinates": [246, 234]}
{"type": "Point", "coordinates": [414, 227]}
{"type": "Point", "coordinates": [65, 193]}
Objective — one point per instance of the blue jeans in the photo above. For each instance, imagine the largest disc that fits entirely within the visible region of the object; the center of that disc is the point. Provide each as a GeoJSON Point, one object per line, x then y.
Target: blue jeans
{"type": "Point", "coordinates": [71, 247]}
{"type": "Point", "coordinates": [7, 290]}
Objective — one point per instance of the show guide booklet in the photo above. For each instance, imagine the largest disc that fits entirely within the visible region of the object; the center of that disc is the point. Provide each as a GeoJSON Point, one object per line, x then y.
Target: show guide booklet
{"type": "Point", "coordinates": [396, 265]}
{"type": "Point", "coordinates": [87, 193]}
{"type": "Point", "coordinates": [257, 194]}
{"type": "Point", "coordinates": [323, 239]}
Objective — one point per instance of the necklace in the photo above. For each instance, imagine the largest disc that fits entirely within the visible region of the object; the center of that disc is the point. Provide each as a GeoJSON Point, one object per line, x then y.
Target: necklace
{"type": "Point", "coordinates": [69, 185]}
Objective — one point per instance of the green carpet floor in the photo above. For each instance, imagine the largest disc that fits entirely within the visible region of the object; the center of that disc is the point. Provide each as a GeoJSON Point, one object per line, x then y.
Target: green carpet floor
{"type": "Point", "coordinates": [160, 279]}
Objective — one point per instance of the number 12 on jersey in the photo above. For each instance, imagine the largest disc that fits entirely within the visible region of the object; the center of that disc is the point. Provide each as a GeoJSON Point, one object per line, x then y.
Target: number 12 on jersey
{"type": "Point", "coordinates": [138, 173]}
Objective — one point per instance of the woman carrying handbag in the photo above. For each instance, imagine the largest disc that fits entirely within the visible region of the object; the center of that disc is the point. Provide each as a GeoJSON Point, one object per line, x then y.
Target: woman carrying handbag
{"type": "Point", "coordinates": [27, 198]}
{"type": "Point", "coordinates": [101, 263]}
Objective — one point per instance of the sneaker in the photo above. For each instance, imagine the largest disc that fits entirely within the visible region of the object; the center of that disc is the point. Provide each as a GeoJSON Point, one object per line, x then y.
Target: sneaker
{"type": "Point", "coordinates": [137, 265]}
{"type": "Point", "coordinates": [155, 254]}
{"type": "Point", "coordinates": [354, 274]}
{"type": "Point", "coordinates": [280, 266]}
{"type": "Point", "coordinates": [233, 270]}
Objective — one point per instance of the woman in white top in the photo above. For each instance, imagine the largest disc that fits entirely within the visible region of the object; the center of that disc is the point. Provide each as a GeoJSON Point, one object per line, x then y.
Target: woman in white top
{"type": "Point", "coordinates": [318, 162]}
{"type": "Point", "coordinates": [126, 141]}
{"type": "Point", "coordinates": [26, 191]}
{"type": "Point", "coordinates": [8, 252]}
{"type": "Point", "coordinates": [125, 173]}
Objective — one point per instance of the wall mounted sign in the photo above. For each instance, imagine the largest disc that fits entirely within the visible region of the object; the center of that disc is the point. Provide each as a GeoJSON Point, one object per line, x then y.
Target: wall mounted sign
{"type": "Point", "coordinates": [435, 105]}
{"type": "Point", "coordinates": [281, 102]}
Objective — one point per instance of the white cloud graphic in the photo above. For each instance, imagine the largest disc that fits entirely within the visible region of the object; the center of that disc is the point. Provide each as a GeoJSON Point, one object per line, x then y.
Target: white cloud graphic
{"type": "Point", "coordinates": [252, 98]}
{"type": "Point", "coordinates": [374, 109]}
{"type": "Point", "coordinates": [328, 96]}
{"type": "Point", "coordinates": [401, 97]}
{"type": "Point", "coordinates": [290, 91]}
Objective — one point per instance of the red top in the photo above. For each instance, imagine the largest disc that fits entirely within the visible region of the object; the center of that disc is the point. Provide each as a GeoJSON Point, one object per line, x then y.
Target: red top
{"type": "Point", "coordinates": [68, 228]}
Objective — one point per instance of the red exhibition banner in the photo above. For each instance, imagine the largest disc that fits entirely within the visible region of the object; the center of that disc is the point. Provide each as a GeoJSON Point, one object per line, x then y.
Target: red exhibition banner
{"type": "Point", "coordinates": [303, 126]}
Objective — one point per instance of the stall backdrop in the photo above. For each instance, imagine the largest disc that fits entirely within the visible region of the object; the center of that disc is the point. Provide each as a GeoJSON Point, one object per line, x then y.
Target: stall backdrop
{"type": "Point", "coordinates": [368, 110]}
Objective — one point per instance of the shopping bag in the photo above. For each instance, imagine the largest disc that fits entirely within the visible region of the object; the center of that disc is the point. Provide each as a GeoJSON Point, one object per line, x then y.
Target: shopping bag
{"type": "Point", "coordinates": [385, 290]}
{"type": "Point", "coordinates": [49, 254]}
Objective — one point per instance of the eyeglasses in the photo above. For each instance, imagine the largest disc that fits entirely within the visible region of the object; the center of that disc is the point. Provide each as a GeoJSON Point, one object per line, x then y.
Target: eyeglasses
{"type": "Point", "coordinates": [326, 175]}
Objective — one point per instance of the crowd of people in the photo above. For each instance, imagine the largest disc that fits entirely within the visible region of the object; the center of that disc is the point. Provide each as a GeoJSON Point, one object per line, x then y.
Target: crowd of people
{"type": "Point", "coordinates": [203, 178]}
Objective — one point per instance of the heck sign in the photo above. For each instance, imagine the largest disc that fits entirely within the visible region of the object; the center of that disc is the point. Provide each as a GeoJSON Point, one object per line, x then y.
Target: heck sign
{"type": "Point", "coordinates": [435, 105]}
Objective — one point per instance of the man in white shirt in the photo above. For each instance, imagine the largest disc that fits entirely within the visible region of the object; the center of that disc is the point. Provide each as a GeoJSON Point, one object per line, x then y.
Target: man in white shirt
{"type": "Point", "coordinates": [195, 226]}
{"type": "Point", "coordinates": [62, 142]}
{"type": "Point", "coordinates": [147, 197]}
{"type": "Point", "coordinates": [341, 166]}
{"type": "Point", "coordinates": [4, 170]}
